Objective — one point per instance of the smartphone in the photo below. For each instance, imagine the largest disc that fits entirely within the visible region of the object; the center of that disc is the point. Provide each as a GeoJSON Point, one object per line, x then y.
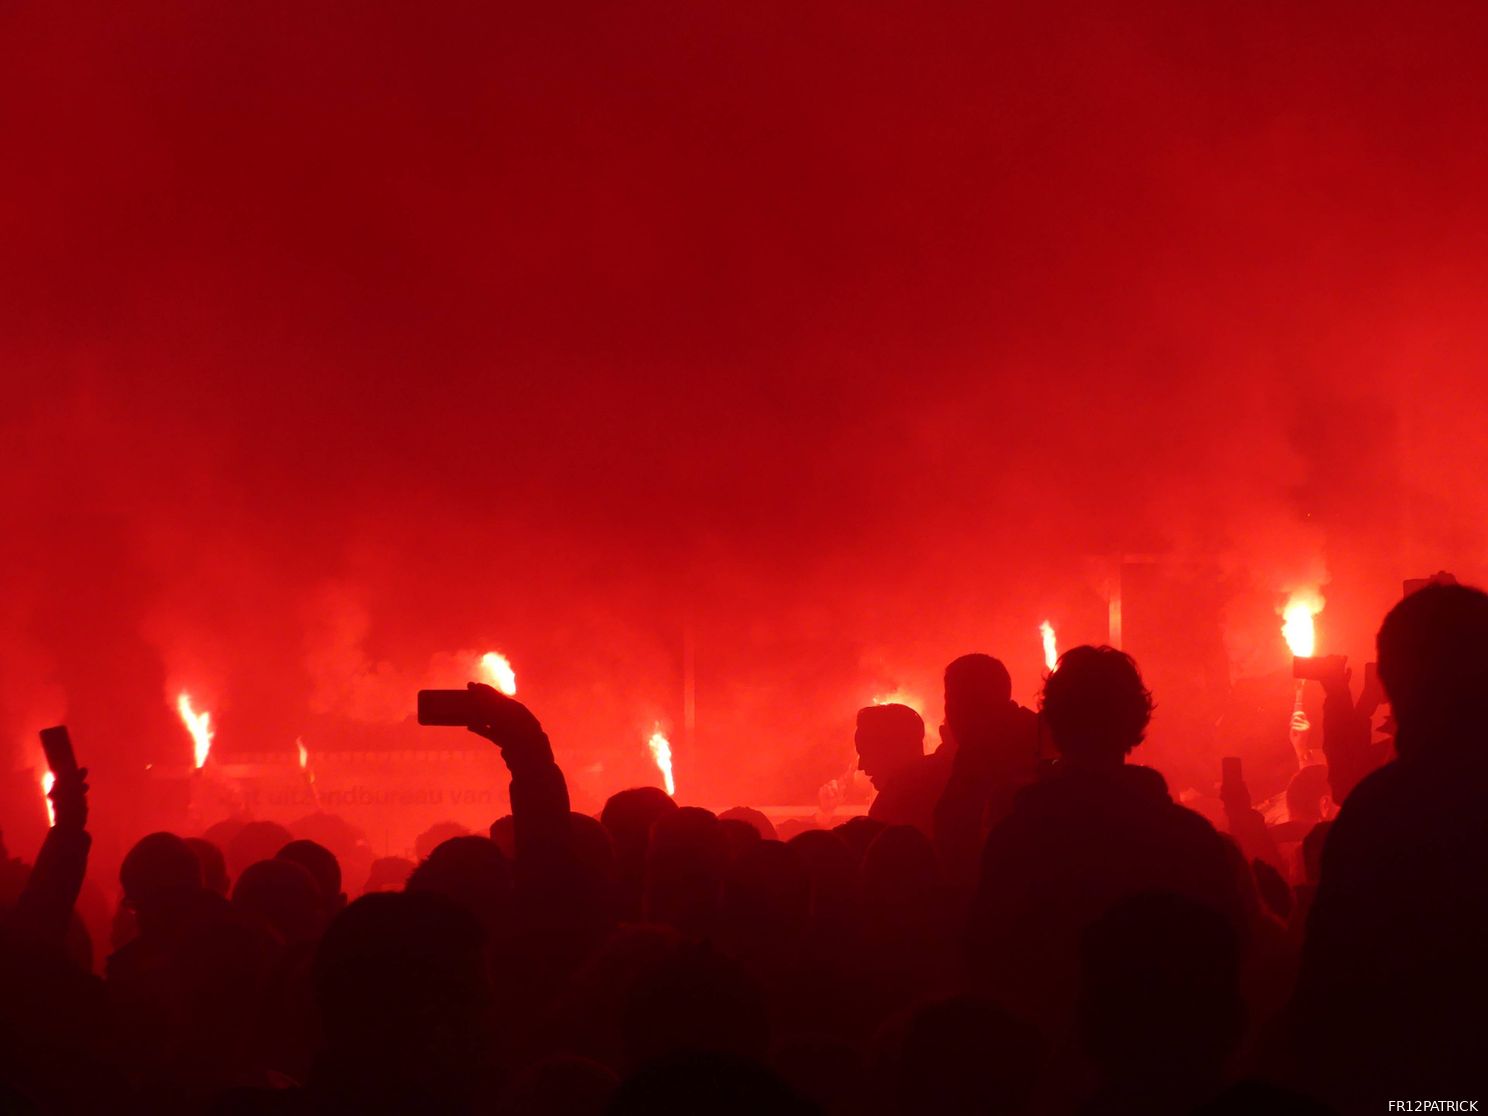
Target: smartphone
{"type": "Point", "coordinates": [455, 708]}
{"type": "Point", "coordinates": [1230, 770]}
{"type": "Point", "coordinates": [1319, 668]}
{"type": "Point", "coordinates": [57, 745]}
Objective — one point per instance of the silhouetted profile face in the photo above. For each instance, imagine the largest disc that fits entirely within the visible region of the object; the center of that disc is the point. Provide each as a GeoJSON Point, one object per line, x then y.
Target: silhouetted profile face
{"type": "Point", "coordinates": [977, 689]}
{"type": "Point", "coordinates": [889, 738]}
{"type": "Point", "coordinates": [1096, 706]}
{"type": "Point", "coordinates": [1433, 664]}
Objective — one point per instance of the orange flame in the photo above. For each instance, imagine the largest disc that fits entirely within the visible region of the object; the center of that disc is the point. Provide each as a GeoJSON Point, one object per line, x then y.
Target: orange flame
{"type": "Point", "coordinates": [47, 782]}
{"type": "Point", "coordinates": [1051, 648]}
{"type": "Point", "coordinates": [1297, 626]}
{"type": "Point", "coordinates": [304, 753]}
{"type": "Point", "coordinates": [199, 725]}
{"type": "Point", "coordinates": [499, 670]}
{"type": "Point", "coordinates": [661, 752]}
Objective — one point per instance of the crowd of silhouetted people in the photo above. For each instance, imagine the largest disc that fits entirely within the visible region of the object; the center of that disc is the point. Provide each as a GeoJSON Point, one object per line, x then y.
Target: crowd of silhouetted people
{"type": "Point", "coordinates": [1025, 921]}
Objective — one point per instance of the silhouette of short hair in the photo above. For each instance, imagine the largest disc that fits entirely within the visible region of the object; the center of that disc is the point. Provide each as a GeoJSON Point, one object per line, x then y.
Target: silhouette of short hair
{"type": "Point", "coordinates": [1433, 664]}
{"type": "Point", "coordinates": [977, 678]}
{"type": "Point", "coordinates": [1304, 794]}
{"type": "Point", "coordinates": [752, 817]}
{"type": "Point", "coordinates": [283, 895]}
{"type": "Point", "coordinates": [159, 864]}
{"type": "Point", "coordinates": [319, 861]}
{"type": "Point", "coordinates": [436, 835]}
{"type": "Point", "coordinates": [892, 724]}
{"type": "Point", "coordinates": [1095, 704]}
{"type": "Point", "coordinates": [630, 814]}
{"type": "Point", "coordinates": [471, 871]}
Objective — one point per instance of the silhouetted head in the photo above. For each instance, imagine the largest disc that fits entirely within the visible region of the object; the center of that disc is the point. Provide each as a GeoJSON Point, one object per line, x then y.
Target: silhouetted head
{"type": "Point", "coordinates": [258, 840]}
{"type": "Point", "coordinates": [977, 689]}
{"type": "Point", "coordinates": [436, 835]}
{"type": "Point", "coordinates": [321, 863]}
{"type": "Point", "coordinates": [1159, 1003]}
{"type": "Point", "coordinates": [1096, 706]}
{"type": "Point", "coordinates": [400, 984]}
{"type": "Point", "coordinates": [158, 866]}
{"type": "Point", "coordinates": [751, 816]}
{"type": "Point", "coordinates": [629, 816]}
{"type": "Point", "coordinates": [1433, 664]}
{"type": "Point", "coordinates": [889, 738]}
{"type": "Point", "coordinates": [1305, 793]}
{"type": "Point", "coordinates": [472, 872]}
{"type": "Point", "coordinates": [283, 897]}
{"type": "Point", "coordinates": [346, 842]}
{"type": "Point", "coordinates": [213, 865]}
{"type": "Point", "coordinates": [966, 1055]}
{"type": "Point", "coordinates": [388, 873]}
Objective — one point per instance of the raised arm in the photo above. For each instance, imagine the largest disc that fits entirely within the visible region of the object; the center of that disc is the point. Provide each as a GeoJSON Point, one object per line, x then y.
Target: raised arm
{"type": "Point", "coordinates": [44, 909]}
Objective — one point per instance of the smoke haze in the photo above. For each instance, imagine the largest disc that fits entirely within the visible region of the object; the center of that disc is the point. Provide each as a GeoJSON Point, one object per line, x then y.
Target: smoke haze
{"type": "Point", "coordinates": [343, 343]}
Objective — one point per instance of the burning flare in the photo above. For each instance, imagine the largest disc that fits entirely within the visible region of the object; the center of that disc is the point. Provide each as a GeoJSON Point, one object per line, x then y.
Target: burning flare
{"type": "Point", "coordinates": [199, 725]}
{"type": "Point", "coordinates": [1051, 648]}
{"type": "Point", "coordinates": [304, 756]}
{"type": "Point", "coordinates": [499, 670]}
{"type": "Point", "coordinates": [899, 697]}
{"type": "Point", "coordinates": [1297, 626]}
{"type": "Point", "coordinates": [661, 752]}
{"type": "Point", "coordinates": [47, 781]}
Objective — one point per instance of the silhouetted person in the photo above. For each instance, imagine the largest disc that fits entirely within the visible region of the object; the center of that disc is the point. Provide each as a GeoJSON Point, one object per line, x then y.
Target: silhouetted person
{"type": "Point", "coordinates": [629, 816]}
{"type": "Point", "coordinates": [992, 748]}
{"type": "Point", "coordinates": [1389, 1000]}
{"type": "Point", "coordinates": [1160, 1007]}
{"type": "Point", "coordinates": [186, 983]}
{"type": "Point", "coordinates": [891, 751]}
{"type": "Point", "coordinates": [1094, 831]}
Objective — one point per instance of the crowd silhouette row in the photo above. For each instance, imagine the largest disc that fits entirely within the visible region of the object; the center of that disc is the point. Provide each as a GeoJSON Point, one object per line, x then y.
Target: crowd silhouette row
{"type": "Point", "coordinates": [998, 934]}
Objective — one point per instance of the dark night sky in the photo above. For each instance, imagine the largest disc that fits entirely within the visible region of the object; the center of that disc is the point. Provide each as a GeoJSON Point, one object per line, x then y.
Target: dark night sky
{"type": "Point", "coordinates": [341, 337]}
